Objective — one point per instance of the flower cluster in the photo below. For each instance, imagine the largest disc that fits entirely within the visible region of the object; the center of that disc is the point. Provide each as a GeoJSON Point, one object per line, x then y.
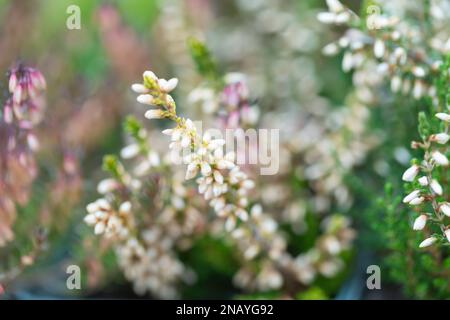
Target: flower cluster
{"type": "Point", "coordinates": [429, 195]}
{"type": "Point", "coordinates": [231, 105]}
{"type": "Point", "coordinates": [18, 143]}
{"type": "Point", "coordinates": [408, 56]}
{"type": "Point", "coordinates": [146, 236]}
{"type": "Point", "coordinates": [225, 187]}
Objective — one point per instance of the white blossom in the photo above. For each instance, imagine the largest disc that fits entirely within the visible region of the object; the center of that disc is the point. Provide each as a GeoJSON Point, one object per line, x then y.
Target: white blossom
{"type": "Point", "coordinates": [420, 222]}
{"type": "Point", "coordinates": [413, 195]}
{"type": "Point", "coordinates": [410, 173]}
{"type": "Point", "coordinates": [427, 242]}
{"type": "Point", "coordinates": [439, 158]}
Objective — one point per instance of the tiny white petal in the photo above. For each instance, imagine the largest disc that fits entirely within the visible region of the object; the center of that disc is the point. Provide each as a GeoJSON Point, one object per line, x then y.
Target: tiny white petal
{"type": "Point", "coordinates": [125, 207]}
{"type": "Point", "coordinates": [129, 151]}
{"type": "Point", "coordinates": [443, 116]}
{"type": "Point", "coordinates": [440, 158]}
{"type": "Point", "coordinates": [436, 187]}
{"type": "Point", "coordinates": [420, 222]}
{"type": "Point", "coordinates": [423, 181]}
{"type": "Point", "coordinates": [411, 196]}
{"type": "Point", "coordinates": [416, 201]}
{"type": "Point", "coordinates": [326, 17]}
{"type": "Point", "coordinates": [379, 48]}
{"type": "Point", "coordinates": [90, 219]}
{"type": "Point", "coordinates": [139, 88]}
{"type": "Point", "coordinates": [154, 114]}
{"type": "Point", "coordinates": [150, 74]}
{"type": "Point", "coordinates": [145, 99]}
{"type": "Point", "coordinates": [441, 138]}
{"type": "Point", "coordinates": [447, 234]}
{"type": "Point", "coordinates": [445, 209]}
{"type": "Point", "coordinates": [427, 242]}
{"type": "Point", "coordinates": [411, 173]}
{"type": "Point", "coordinates": [106, 185]}
{"type": "Point", "coordinates": [99, 228]}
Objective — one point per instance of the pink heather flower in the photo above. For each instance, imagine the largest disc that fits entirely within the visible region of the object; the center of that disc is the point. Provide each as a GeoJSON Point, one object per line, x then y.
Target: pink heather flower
{"type": "Point", "coordinates": [26, 86]}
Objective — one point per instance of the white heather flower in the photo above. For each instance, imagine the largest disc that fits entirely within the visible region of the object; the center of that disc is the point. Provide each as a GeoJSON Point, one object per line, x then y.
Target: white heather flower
{"type": "Point", "coordinates": [400, 55]}
{"type": "Point", "coordinates": [418, 71]}
{"type": "Point", "coordinates": [108, 221]}
{"type": "Point", "coordinates": [154, 114]}
{"type": "Point", "coordinates": [436, 187]}
{"type": "Point", "coordinates": [139, 88]}
{"type": "Point", "coordinates": [420, 222]}
{"type": "Point", "coordinates": [326, 17]}
{"type": "Point", "coordinates": [167, 85]}
{"type": "Point", "coordinates": [416, 201]}
{"type": "Point", "coordinates": [129, 151]}
{"type": "Point", "coordinates": [439, 158]}
{"type": "Point", "coordinates": [447, 234]}
{"type": "Point", "coordinates": [106, 186]}
{"type": "Point", "coordinates": [330, 49]}
{"type": "Point", "coordinates": [445, 208]}
{"type": "Point", "coordinates": [418, 89]}
{"type": "Point", "coordinates": [410, 173]}
{"type": "Point", "coordinates": [427, 242]}
{"type": "Point", "coordinates": [145, 99]}
{"type": "Point", "coordinates": [413, 195]}
{"type": "Point", "coordinates": [396, 83]}
{"type": "Point", "coordinates": [347, 61]}
{"type": "Point", "coordinates": [379, 48]}
{"type": "Point", "coordinates": [441, 138]}
{"type": "Point", "coordinates": [443, 116]}
{"type": "Point", "coordinates": [423, 181]}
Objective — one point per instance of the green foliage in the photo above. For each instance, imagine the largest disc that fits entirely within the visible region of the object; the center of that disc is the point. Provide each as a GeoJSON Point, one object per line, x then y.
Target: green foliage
{"type": "Point", "coordinates": [424, 125]}
{"type": "Point", "coordinates": [313, 293]}
{"type": "Point", "coordinates": [204, 61]}
{"type": "Point", "coordinates": [112, 165]}
{"type": "Point", "coordinates": [403, 260]}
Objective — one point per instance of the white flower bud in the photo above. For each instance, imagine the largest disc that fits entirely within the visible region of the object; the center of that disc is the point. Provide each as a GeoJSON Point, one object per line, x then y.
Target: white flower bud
{"type": "Point", "coordinates": [420, 222]}
{"type": "Point", "coordinates": [423, 181]}
{"type": "Point", "coordinates": [411, 173]}
{"type": "Point", "coordinates": [436, 187]}
{"type": "Point", "coordinates": [427, 242]}
{"type": "Point", "coordinates": [347, 61]}
{"type": "Point", "coordinates": [441, 138]}
{"type": "Point", "coordinates": [396, 83]}
{"type": "Point", "coordinates": [326, 17]}
{"type": "Point", "coordinates": [129, 151]}
{"type": "Point", "coordinates": [418, 89]}
{"type": "Point", "coordinates": [90, 219]}
{"type": "Point", "coordinates": [330, 49]}
{"type": "Point", "coordinates": [139, 88]}
{"type": "Point", "coordinates": [150, 75]}
{"type": "Point", "coordinates": [125, 207]}
{"type": "Point", "coordinates": [447, 234]}
{"type": "Point", "coordinates": [379, 48]}
{"type": "Point", "coordinates": [443, 116]}
{"type": "Point", "coordinates": [416, 201]}
{"type": "Point", "coordinates": [400, 55]}
{"type": "Point", "coordinates": [154, 114]}
{"type": "Point", "coordinates": [445, 208]}
{"type": "Point", "coordinates": [418, 71]}
{"type": "Point", "coordinates": [106, 185]}
{"type": "Point", "coordinates": [411, 196]}
{"type": "Point", "coordinates": [145, 99]}
{"type": "Point", "coordinates": [439, 158]}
